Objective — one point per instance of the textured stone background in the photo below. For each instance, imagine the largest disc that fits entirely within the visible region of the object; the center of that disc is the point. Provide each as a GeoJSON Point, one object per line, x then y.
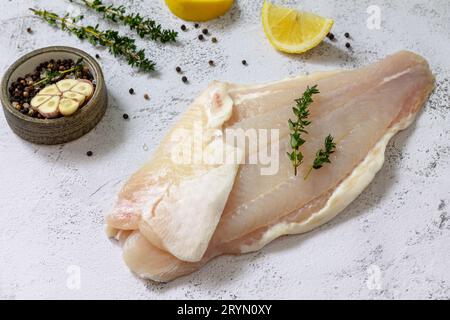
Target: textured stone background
{"type": "Point", "coordinates": [52, 199]}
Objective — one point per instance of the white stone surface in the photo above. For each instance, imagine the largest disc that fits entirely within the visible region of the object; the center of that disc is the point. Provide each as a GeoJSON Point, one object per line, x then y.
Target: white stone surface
{"type": "Point", "coordinates": [53, 198]}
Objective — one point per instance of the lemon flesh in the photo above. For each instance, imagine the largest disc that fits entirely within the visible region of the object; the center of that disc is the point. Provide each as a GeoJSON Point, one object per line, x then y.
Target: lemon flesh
{"type": "Point", "coordinates": [293, 31]}
{"type": "Point", "coordinates": [199, 10]}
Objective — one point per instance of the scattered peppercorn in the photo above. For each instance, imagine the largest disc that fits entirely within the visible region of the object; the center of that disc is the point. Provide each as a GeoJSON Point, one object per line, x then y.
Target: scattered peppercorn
{"type": "Point", "coordinates": [330, 36]}
{"type": "Point", "coordinates": [196, 25]}
{"type": "Point", "coordinates": [347, 45]}
{"type": "Point", "coordinates": [205, 31]}
{"type": "Point", "coordinates": [131, 91]}
{"type": "Point", "coordinates": [347, 35]}
{"type": "Point", "coordinates": [200, 37]}
{"type": "Point", "coordinates": [183, 27]}
{"type": "Point", "coordinates": [184, 79]}
{"type": "Point", "coordinates": [211, 63]}
{"type": "Point", "coordinates": [89, 153]}
{"type": "Point", "coordinates": [244, 62]}
{"type": "Point", "coordinates": [125, 116]}
{"type": "Point", "coordinates": [146, 97]}
{"type": "Point", "coordinates": [97, 56]}
{"type": "Point", "coordinates": [29, 30]}
{"type": "Point", "coordinates": [178, 69]}
{"type": "Point", "coordinates": [214, 40]}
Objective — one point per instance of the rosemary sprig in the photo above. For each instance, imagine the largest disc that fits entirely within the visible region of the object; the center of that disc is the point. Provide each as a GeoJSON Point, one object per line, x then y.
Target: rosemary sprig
{"type": "Point", "coordinates": [53, 75]}
{"type": "Point", "coordinates": [298, 127]}
{"type": "Point", "coordinates": [116, 44]}
{"type": "Point", "coordinates": [143, 26]}
{"type": "Point", "coordinates": [323, 156]}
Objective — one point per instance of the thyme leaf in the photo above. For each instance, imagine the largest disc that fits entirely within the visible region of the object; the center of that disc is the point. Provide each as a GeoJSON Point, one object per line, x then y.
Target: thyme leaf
{"type": "Point", "coordinates": [323, 155]}
{"type": "Point", "coordinates": [117, 45]}
{"type": "Point", "coordinates": [143, 26]}
{"type": "Point", "coordinates": [297, 127]}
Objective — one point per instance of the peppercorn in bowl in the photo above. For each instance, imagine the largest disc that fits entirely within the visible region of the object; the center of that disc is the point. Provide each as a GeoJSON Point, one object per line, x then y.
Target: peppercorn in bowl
{"type": "Point", "coordinates": [53, 95]}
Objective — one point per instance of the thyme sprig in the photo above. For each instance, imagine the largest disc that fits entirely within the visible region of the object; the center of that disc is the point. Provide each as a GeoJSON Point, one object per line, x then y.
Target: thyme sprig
{"type": "Point", "coordinates": [117, 45]}
{"type": "Point", "coordinates": [297, 127]}
{"type": "Point", "coordinates": [55, 75]}
{"type": "Point", "coordinates": [143, 26]}
{"type": "Point", "coordinates": [323, 156]}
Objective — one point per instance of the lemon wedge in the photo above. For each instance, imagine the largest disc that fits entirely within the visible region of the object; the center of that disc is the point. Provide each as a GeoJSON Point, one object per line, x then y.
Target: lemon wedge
{"type": "Point", "coordinates": [293, 31]}
{"type": "Point", "coordinates": [199, 10]}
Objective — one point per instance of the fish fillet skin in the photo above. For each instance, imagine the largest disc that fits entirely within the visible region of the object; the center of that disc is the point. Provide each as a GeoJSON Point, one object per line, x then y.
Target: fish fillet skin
{"type": "Point", "coordinates": [362, 109]}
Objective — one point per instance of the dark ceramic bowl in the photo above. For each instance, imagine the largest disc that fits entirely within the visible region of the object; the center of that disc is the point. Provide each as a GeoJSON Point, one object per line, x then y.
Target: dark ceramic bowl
{"type": "Point", "coordinates": [59, 130]}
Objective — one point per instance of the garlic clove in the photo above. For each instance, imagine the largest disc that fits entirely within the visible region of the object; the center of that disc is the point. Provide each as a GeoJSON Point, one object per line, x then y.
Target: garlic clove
{"type": "Point", "coordinates": [66, 84]}
{"type": "Point", "coordinates": [85, 88]}
{"type": "Point", "coordinates": [38, 100]}
{"type": "Point", "coordinates": [49, 109]}
{"type": "Point", "coordinates": [68, 107]}
{"type": "Point", "coordinates": [74, 96]}
{"type": "Point", "coordinates": [51, 90]}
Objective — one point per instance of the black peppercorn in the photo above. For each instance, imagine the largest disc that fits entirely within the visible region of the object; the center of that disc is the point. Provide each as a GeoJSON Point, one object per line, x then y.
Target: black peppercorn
{"type": "Point", "coordinates": [211, 63]}
{"type": "Point", "coordinates": [347, 35]}
{"type": "Point", "coordinates": [178, 69]}
{"type": "Point", "coordinates": [330, 36]}
{"type": "Point", "coordinates": [183, 27]}
{"type": "Point", "coordinates": [29, 30]}
{"type": "Point", "coordinates": [131, 91]}
{"type": "Point", "coordinates": [125, 116]}
{"type": "Point", "coordinates": [97, 56]}
{"type": "Point", "coordinates": [196, 25]}
{"type": "Point", "coordinates": [146, 96]}
{"type": "Point", "coordinates": [347, 45]}
{"type": "Point", "coordinates": [205, 31]}
{"type": "Point", "coordinates": [89, 153]}
{"type": "Point", "coordinates": [200, 37]}
{"type": "Point", "coordinates": [244, 62]}
{"type": "Point", "coordinates": [184, 79]}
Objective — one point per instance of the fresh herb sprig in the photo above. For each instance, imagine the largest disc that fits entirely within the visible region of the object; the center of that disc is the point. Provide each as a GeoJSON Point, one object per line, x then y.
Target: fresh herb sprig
{"type": "Point", "coordinates": [323, 155]}
{"type": "Point", "coordinates": [116, 44]}
{"type": "Point", "coordinates": [55, 75]}
{"type": "Point", "coordinates": [297, 127]}
{"type": "Point", "coordinates": [143, 26]}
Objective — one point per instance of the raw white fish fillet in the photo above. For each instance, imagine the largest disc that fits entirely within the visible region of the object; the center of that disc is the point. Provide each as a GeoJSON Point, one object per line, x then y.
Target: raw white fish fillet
{"type": "Point", "coordinates": [173, 218]}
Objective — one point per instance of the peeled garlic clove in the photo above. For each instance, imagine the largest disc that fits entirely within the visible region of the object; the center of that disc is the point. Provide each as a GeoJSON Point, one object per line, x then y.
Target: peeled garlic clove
{"type": "Point", "coordinates": [50, 91]}
{"type": "Point", "coordinates": [74, 96]}
{"type": "Point", "coordinates": [85, 88]}
{"type": "Point", "coordinates": [68, 107]}
{"type": "Point", "coordinates": [66, 84]}
{"type": "Point", "coordinates": [49, 109]}
{"type": "Point", "coordinates": [38, 100]}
